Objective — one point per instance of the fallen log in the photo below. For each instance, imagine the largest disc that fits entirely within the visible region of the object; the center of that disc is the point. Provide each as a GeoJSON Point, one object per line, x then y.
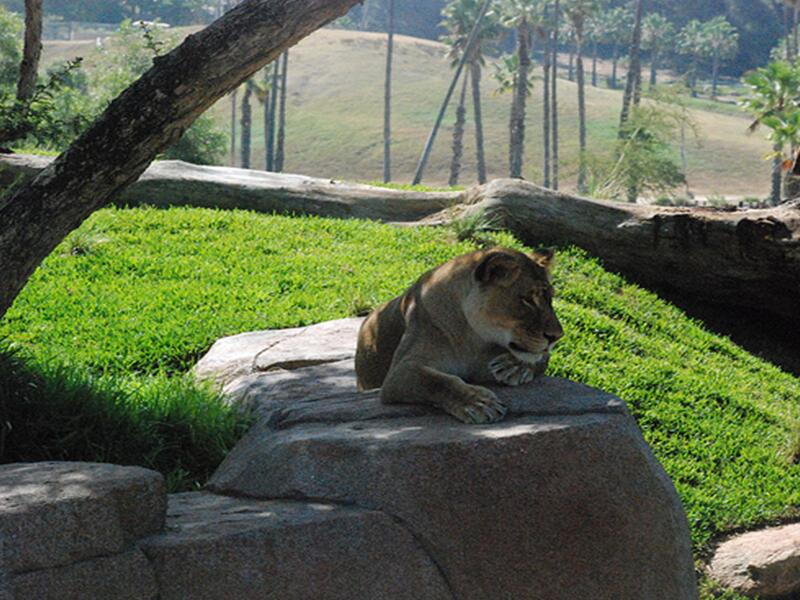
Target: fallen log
{"type": "Point", "coordinates": [740, 258]}
{"type": "Point", "coordinates": [176, 183]}
{"type": "Point", "coordinates": [736, 258]}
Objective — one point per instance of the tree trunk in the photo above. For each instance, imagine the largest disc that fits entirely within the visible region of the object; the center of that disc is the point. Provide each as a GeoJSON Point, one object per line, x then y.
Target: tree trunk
{"type": "Point", "coordinates": [247, 126]}
{"type": "Point", "coordinates": [234, 101]}
{"type": "Point", "coordinates": [517, 133]}
{"type": "Point", "coordinates": [795, 32]}
{"type": "Point", "coordinates": [594, 63]}
{"type": "Point", "coordinates": [581, 109]}
{"type": "Point", "coordinates": [475, 73]}
{"type": "Point", "coordinates": [26, 85]}
{"type": "Point", "coordinates": [714, 76]}
{"type": "Point", "coordinates": [280, 150]}
{"type": "Point", "coordinates": [546, 119]}
{"type": "Point", "coordinates": [142, 122]}
{"type": "Point", "coordinates": [268, 114]}
{"type": "Point", "coordinates": [777, 175]}
{"type": "Point", "coordinates": [387, 101]}
{"type": "Point", "coordinates": [654, 68]}
{"type": "Point", "coordinates": [571, 64]}
{"type": "Point", "coordinates": [614, 60]}
{"type": "Point", "coordinates": [176, 183]}
{"type": "Point", "coordinates": [632, 93]}
{"type": "Point", "coordinates": [458, 134]}
{"type": "Point", "coordinates": [269, 152]}
{"type": "Point", "coordinates": [554, 97]}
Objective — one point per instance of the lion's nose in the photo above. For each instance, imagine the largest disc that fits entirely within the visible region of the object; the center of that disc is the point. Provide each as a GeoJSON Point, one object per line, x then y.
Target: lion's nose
{"type": "Point", "coordinates": [551, 338]}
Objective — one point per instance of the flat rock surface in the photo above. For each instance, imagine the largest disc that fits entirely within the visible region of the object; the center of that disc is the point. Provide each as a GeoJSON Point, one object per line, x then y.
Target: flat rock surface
{"type": "Point", "coordinates": [220, 547]}
{"type": "Point", "coordinates": [124, 576]}
{"type": "Point", "coordinates": [56, 513]}
{"type": "Point", "coordinates": [287, 349]}
{"type": "Point", "coordinates": [763, 563]}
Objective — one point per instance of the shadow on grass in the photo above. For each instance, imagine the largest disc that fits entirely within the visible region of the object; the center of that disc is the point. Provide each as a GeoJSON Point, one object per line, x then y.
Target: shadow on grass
{"type": "Point", "coordinates": [49, 411]}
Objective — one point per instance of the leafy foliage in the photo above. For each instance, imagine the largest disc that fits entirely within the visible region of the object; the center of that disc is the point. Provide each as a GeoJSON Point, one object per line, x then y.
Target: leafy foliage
{"type": "Point", "coordinates": [52, 116]}
{"type": "Point", "coordinates": [774, 101]}
{"type": "Point", "coordinates": [10, 46]}
{"type": "Point", "coordinates": [70, 98]}
{"type": "Point", "coordinates": [644, 160]}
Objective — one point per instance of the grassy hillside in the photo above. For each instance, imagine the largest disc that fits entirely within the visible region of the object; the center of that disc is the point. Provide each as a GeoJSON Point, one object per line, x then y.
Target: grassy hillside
{"type": "Point", "coordinates": [139, 294]}
{"type": "Point", "coordinates": [335, 118]}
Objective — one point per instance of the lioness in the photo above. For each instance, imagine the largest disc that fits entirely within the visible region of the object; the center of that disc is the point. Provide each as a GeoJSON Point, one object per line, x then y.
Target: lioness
{"type": "Point", "coordinates": [482, 317]}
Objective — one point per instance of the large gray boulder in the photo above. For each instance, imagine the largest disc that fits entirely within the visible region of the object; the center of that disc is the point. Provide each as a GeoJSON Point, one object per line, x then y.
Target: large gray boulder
{"type": "Point", "coordinates": [124, 576]}
{"type": "Point", "coordinates": [218, 547]}
{"type": "Point", "coordinates": [561, 500]}
{"type": "Point", "coordinates": [56, 513]}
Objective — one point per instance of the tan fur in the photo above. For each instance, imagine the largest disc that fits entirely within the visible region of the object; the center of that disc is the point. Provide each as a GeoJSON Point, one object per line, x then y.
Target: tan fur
{"type": "Point", "coordinates": [482, 317]}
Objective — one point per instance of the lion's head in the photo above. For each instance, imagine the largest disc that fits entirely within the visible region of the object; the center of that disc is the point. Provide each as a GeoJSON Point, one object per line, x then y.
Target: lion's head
{"type": "Point", "coordinates": [510, 303]}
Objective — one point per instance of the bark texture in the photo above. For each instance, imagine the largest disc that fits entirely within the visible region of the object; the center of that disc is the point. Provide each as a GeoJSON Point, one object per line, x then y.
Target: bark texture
{"type": "Point", "coordinates": [517, 125]}
{"type": "Point", "coordinates": [143, 121]}
{"type": "Point", "coordinates": [26, 85]}
{"type": "Point", "coordinates": [744, 258]}
{"type": "Point", "coordinates": [480, 156]}
{"type": "Point", "coordinates": [176, 183]}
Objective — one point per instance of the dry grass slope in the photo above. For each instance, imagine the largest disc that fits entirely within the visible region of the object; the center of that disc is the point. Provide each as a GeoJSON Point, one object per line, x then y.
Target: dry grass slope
{"type": "Point", "coordinates": [335, 119]}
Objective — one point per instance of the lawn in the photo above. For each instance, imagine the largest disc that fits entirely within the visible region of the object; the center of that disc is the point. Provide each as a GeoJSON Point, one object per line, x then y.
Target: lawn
{"type": "Point", "coordinates": [125, 306]}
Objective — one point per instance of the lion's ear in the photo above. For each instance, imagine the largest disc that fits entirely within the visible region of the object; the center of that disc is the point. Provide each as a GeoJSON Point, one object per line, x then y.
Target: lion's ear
{"type": "Point", "coordinates": [497, 267]}
{"type": "Point", "coordinates": [543, 257]}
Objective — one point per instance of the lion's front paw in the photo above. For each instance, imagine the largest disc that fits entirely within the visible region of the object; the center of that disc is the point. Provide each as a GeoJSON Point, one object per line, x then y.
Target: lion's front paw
{"type": "Point", "coordinates": [477, 406]}
{"type": "Point", "coordinates": [509, 370]}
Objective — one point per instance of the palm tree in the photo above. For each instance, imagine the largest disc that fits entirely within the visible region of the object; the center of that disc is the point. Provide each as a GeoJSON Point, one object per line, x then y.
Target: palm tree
{"type": "Point", "coordinates": [458, 134]}
{"type": "Point", "coordinates": [387, 98]}
{"type": "Point", "coordinates": [633, 85]}
{"type": "Point", "coordinates": [774, 102]}
{"type": "Point", "coordinates": [618, 24]}
{"type": "Point", "coordinates": [523, 16]}
{"type": "Point", "coordinates": [546, 119]}
{"type": "Point", "coordinates": [554, 95]}
{"type": "Point", "coordinates": [658, 35]}
{"type": "Point", "coordinates": [721, 43]}
{"type": "Point", "coordinates": [691, 43]}
{"type": "Point", "coordinates": [597, 34]}
{"type": "Point", "coordinates": [281, 143]}
{"type": "Point", "coordinates": [459, 18]}
{"type": "Point", "coordinates": [233, 126]}
{"type": "Point", "coordinates": [578, 11]}
{"type": "Point", "coordinates": [266, 100]}
{"type": "Point", "coordinates": [454, 54]}
{"type": "Point", "coordinates": [269, 140]}
{"type": "Point", "coordinates": [247, 125]}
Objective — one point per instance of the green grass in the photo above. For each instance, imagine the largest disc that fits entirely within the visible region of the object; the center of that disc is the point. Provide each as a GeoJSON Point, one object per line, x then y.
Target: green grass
{"type": "Point", "coordinates": [147, 291]}
{"type": "Point", "coordinates": [410, 187]}
{"type": "Point", "coordinates": [52, 411]}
